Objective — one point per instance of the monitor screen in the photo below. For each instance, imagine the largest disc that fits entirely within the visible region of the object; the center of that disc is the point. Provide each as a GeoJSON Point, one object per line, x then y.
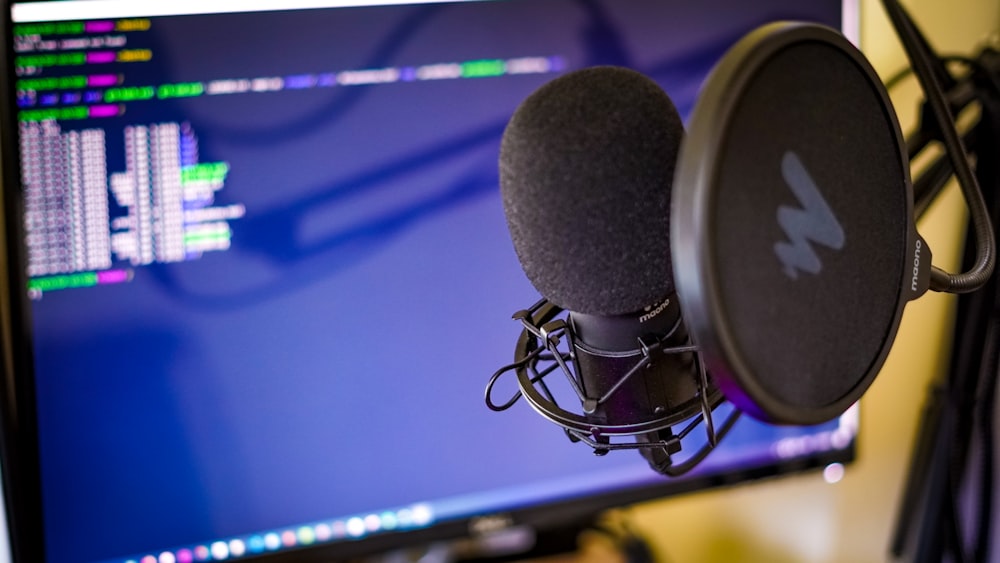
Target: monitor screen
{"type": "Point", "coordinates": [260, 271]}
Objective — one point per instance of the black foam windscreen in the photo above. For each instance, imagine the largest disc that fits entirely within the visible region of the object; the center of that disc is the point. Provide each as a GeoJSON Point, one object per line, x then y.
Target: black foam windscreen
{"type": "Point", "coordinates": [586, 164]}
{"type": "Point", "coordinates": [792, 230]}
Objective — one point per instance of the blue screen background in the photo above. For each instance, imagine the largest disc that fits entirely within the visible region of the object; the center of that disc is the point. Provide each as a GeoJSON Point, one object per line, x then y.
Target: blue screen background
{"type": "Point", "coordinates": [333, 360]}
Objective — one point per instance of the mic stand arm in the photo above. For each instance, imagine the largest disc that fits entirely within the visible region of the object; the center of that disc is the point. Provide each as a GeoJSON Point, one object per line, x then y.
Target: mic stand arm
{"type": "Point", "coordinates": [927, 67]}
{"type": "Point", "coordinates": [964, 92]}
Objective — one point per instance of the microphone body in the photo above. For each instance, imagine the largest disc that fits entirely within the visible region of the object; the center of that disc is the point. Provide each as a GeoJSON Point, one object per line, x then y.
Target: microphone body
{"type": "Point", "coordinates": [586, 166]}
{"type": "Point", "coordinates": [607, 348]}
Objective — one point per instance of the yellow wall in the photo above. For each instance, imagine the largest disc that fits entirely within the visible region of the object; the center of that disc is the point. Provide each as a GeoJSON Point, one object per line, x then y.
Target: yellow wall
{"type": "Point", "coordinates": [804, 519]}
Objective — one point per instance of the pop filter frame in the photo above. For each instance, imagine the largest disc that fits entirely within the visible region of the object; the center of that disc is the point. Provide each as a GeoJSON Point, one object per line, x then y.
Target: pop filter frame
{"type": "Point", "coordinates": [695, 242]}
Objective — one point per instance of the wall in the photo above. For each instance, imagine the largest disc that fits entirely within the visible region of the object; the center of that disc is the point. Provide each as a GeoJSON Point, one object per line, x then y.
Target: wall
{"type": "Point", "coordinates": [804, 519]}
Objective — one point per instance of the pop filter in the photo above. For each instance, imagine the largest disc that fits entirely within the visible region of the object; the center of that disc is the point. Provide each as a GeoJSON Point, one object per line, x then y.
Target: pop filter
{"type": "Point", "coordinates": [792, 230]}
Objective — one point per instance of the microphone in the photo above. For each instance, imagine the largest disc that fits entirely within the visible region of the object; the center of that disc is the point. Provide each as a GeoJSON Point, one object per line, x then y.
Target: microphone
{"type": "Point", "coordinates": [781, 226]}
{"type": "Point", "coordinates": [586, 165]}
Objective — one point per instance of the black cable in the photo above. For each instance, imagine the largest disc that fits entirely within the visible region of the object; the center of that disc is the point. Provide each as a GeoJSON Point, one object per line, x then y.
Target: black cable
{"type": "Point", "coordinates": [980, 85]}
{"type": "Point", "coordinates": [954, 544]}
{"type": "Point", "coordinates": [982, 268]}
{"type": "Point", "coordinates": [935, 177]}
{"type": "Point", "coordinates": [985, 417]}
{"type": "Point", "coordinates": [984, 407]}
{"type": "Point", "coordinates": [896, 79]}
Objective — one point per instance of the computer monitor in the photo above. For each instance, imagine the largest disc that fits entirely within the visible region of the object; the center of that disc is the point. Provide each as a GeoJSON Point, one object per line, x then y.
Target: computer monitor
{"type": "Point", "coordinates": [258, 272]}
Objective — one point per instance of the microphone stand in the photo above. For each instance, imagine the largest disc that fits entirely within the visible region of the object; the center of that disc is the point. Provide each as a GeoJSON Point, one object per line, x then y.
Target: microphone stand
{"type": "Point", "coordinates": [961, 405]}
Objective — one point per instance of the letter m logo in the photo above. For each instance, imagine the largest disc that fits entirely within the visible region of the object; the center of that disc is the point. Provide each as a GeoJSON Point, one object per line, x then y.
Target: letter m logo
{"type": "Point", "coordinates": [813, 222]}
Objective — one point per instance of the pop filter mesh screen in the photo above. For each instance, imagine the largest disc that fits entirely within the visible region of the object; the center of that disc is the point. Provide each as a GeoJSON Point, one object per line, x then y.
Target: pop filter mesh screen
{"type": "Point", "coordinates": [809, 338]}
